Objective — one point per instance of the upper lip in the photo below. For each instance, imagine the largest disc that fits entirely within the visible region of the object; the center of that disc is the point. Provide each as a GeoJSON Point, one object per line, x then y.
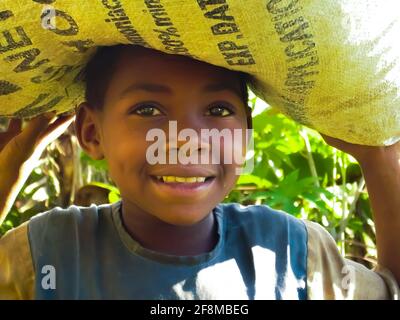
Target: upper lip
{"type": "Point", "coordinates": [183, 171]}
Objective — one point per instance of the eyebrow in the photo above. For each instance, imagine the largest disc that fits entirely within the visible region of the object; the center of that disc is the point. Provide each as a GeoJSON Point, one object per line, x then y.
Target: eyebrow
{"type": "Point", "coordinates": [159, 88]}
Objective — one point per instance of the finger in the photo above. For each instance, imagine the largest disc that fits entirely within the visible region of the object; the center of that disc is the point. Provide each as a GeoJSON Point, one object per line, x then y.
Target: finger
{"type": "Point", "coordinates": [60, 121]}
{"type": "Point", "coordinates": [330, 140]}
{"type": "Point", "coordinates": [14, 128]}
{"type": "Point", "coordinates": [15, 125]}
{"type": "Point", "coordinates": [26, 140]}
{"type": "Point", "coordinates": [5, 138]}
{"type": "Point", "coordinates": [54, 130]}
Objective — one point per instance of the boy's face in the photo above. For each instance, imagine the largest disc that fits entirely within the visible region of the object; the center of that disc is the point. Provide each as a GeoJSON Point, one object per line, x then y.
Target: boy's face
{"type": "Point", "coordinates": [135, 104]}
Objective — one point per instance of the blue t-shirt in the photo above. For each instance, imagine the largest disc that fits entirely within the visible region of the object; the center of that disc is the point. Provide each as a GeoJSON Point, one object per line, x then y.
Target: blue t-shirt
{"type": "Point", "coordinates": [261, 254]}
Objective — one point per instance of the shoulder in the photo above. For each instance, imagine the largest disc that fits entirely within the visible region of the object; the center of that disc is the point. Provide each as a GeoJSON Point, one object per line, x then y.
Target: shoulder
{"type": "Point", "coordinates": [258, 216]}
{"type": "Point", "coordinates": [71, 216]}
{"type": "Point", "coordinates": [16, 270]}
{"type": "Point", "coordinates": [332, 276]}
{"type": "Point", "coordinates": [264, 226]}
{"type": "Point", "coordinates": [319, 239]}
{"type": "Point", "coordinates": [80, 225]}
{"type": "Point", "coordinates": [238, 211]}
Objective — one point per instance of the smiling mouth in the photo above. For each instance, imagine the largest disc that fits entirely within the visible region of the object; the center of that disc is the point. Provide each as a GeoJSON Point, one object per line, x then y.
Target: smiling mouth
{"type": "Point", "coordinates": [176, 179]}
{"type": "Point", "coordinates": [177, 183]}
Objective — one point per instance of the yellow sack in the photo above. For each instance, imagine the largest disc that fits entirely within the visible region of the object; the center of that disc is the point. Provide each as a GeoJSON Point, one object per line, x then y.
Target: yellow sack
{"type": "Point", "coordinates": [332, 65]}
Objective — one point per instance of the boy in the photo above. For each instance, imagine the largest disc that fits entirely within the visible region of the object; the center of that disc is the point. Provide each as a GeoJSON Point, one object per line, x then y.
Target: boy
{"type": "Point", "coordinates": [169, 237]}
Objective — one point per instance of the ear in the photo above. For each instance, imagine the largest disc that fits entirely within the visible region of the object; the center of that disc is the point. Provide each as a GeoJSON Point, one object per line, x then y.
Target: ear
{"type": "Point", "coordinates": [87, 128]}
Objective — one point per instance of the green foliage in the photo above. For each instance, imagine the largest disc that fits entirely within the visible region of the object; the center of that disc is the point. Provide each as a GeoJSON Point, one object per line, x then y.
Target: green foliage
{"type": "Point", "coordinates": [294, 171]}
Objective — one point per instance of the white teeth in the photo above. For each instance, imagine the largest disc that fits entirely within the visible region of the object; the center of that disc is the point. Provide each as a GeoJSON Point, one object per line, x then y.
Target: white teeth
{"type": "Point", "coordinates": [189, 179]}
{"type": "Point", "coordinates": [168, 179]}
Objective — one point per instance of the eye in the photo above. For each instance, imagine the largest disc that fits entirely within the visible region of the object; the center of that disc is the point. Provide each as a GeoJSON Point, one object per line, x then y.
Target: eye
{"type": "Point", "coordinates": [147, 110]}
{"type": "Point", "coordinates": [219, 111]}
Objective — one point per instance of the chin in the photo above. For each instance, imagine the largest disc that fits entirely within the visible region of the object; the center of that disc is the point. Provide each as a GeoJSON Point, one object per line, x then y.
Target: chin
{"type": "Point", "coordinates": [182, 218]}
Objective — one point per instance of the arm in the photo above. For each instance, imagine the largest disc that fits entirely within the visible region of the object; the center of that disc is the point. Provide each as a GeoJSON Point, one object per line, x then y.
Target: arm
{"type": "Point", "coordinates": [381, 169]}
{"type": "Point", "coordinates": [382, 176]}
{"type": "Point", "coordinates": [20, 151]}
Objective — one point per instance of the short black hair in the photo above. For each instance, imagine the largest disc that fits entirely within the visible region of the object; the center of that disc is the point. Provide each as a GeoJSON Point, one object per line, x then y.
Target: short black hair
{"type": "Point", "coordinates": [100, 68]}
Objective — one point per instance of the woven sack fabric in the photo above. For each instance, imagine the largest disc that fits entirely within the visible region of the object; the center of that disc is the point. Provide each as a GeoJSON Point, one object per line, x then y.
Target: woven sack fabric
{"type": "Point", "coordinates": [332, 65]}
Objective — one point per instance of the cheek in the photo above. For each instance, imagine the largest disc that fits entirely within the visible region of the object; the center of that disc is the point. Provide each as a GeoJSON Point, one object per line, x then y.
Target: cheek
{"type": "Point", "coordinates": [233, 148]}
{"type": "Point", "coordinates": [125, 151]}
{"type": "Point", "coordinates": [232, 152]}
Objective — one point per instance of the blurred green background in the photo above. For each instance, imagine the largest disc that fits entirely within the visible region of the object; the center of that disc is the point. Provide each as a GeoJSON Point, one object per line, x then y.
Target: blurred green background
{"type": "Point", "coordinates": [294, 171]}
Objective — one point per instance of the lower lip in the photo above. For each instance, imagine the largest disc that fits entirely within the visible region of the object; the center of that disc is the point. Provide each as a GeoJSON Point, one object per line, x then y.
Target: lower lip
{"type": "Point", "coordinates": [181, 188]}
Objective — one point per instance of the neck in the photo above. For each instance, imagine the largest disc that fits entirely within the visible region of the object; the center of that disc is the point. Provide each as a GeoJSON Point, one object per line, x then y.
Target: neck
{"type": "Point", "coordinates": [157, 235]}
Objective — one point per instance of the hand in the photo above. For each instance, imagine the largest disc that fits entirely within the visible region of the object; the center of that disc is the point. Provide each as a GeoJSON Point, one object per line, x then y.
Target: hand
{"type": "Point", "coordinates": [20, 150]}
{"type": "Point", "coordinates": [362, 153]}
{"type": "Point", "coordinates": [20, 146]}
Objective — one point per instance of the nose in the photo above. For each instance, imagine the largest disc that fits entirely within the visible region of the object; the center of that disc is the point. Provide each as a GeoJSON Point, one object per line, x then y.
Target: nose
{"type": "Point", "coordinates": [187, 140]}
